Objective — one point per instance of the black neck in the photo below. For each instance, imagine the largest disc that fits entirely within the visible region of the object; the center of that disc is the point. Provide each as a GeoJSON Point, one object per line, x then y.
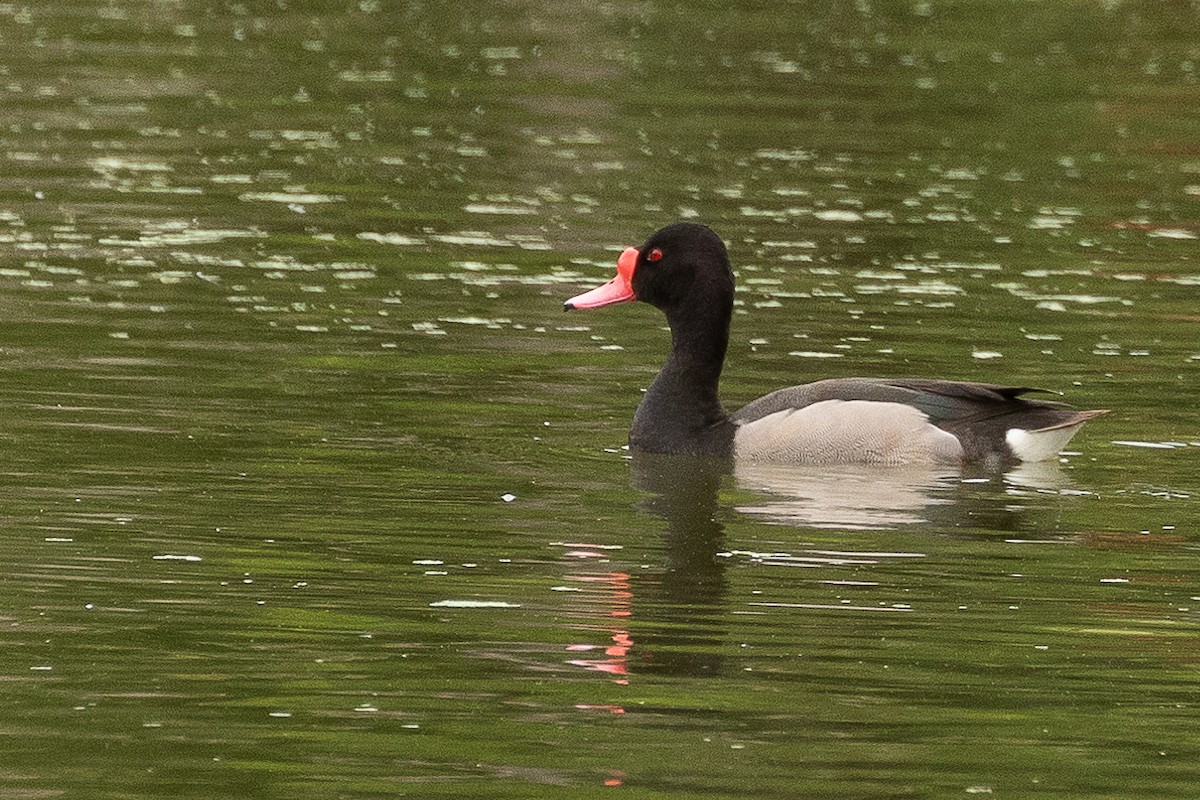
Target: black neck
{"type": "Point", "coordinates": [681, 411]}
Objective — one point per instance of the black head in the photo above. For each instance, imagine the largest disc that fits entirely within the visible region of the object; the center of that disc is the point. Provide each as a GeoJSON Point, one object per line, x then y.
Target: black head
{"type": "Point", "coordinates": [681, 269]}
{"type": "Point", "coordinates": [683, 264]}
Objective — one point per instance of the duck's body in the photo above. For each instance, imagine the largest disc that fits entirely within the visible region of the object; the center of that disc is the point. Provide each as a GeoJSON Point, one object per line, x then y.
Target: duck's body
{"type": "Point", "coordinates": [684, 270]}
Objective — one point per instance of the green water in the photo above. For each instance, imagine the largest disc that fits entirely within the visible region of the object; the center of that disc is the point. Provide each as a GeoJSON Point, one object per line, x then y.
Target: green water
{"type": "Point", "coordinates": [309, 486]}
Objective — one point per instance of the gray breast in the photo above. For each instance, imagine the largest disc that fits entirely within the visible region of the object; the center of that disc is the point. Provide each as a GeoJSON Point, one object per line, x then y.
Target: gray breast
{"type": "Point", "coordinates": [846, 432]}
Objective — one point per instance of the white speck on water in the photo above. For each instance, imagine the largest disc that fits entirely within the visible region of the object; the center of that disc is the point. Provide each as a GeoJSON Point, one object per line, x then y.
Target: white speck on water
{"type": "Point", "coordinates": [1047, 222]}
{"type": "Point", "coordinates": [431, 328]}
{"type": "Point", "coordinates": [838, 215]}
{"type": "Point", "coordinates": [428, 562]}
{"type": "Point", "coordinates": [291, 198]}
{"type": "Point", "coordinates": [176, 557]}
{"type": "Point", "coordinates": [960, 174]}
{"type": "Point", "coordinates": [397, 239]}
{"type": "Point", "coordinates": [984, 355]}
{"type": "Point", "coordinates": [472, 239]}
{"type": "Point", "coordinates": [582, 544]}
{"type": "Point", "coordinates": [494, 324]}
{"type": "Point", "coordinates": [493, 208]}
{"type": "Point", "coordinates": [1151, 445]}
{"type": "Point", "coordinates": [785, 155]}
{"type": "Point", "coordinates": [508, 498]}
{"type": "Point", "coordinates": [473, 604]}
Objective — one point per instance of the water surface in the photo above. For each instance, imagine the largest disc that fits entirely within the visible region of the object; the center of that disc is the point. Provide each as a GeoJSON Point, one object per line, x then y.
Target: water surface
{"type": "Point", "coordinates": [310, 486]}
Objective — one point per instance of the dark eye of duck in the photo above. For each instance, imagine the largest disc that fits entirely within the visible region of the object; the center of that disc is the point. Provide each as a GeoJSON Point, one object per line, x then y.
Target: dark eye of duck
{"type": "Point", "coordinates": [654, 255]}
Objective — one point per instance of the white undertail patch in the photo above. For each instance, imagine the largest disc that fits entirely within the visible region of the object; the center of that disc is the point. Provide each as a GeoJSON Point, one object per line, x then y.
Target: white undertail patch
{"type": "Point", "coordinates": [1041, 444]}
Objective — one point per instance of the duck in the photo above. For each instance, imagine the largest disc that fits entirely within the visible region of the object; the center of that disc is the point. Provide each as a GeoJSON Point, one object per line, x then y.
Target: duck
{"type": "Point", "coordinates": [684, 271]}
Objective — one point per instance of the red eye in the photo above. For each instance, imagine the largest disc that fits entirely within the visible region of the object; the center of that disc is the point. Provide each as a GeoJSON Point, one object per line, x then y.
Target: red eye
{"type": "Point", "coordinates": [654, 255]}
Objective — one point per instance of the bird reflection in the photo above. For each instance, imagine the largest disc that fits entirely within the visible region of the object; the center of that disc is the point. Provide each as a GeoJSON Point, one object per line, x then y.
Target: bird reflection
{"type": "Point", "coordinates": [679, 625]}
{"type": "Point", "coordinates": [854, 497]}
{"type": "Point", "coordinates": [677, 615]}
